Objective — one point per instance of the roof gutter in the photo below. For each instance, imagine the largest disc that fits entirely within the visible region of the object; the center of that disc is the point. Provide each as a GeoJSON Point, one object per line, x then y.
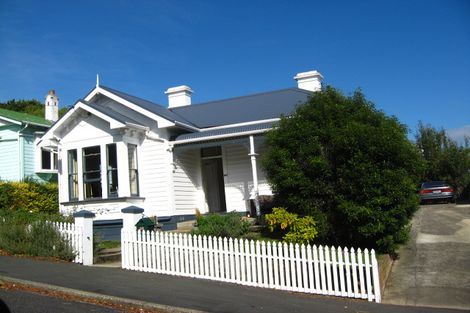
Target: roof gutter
{"type": "Point", "coordinates": [37, 124]}
{"type": "Point", "coordinates": [21, 122]}
{"type": "Point", "coordinates": [136, 126]}
{"type": "Point", "coordinates": [218, 137]}
{"type": "Point", "coordinates": [188, 127]}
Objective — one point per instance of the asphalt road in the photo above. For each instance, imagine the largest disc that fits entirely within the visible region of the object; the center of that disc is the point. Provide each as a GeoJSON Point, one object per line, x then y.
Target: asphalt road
{"type": "Point", "coordinates": [26, 302]}
{"type": "Point", "coordinates": [434, 267]}
{"type": "Point", "coordinates": [195, 294]}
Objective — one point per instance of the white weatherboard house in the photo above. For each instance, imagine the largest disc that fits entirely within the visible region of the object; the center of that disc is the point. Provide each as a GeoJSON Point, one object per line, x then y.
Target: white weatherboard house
{"type": "Point", "coordinates": [116, 150]}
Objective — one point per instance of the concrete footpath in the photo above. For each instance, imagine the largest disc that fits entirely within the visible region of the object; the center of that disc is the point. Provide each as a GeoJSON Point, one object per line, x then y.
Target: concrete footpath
{"type": "Point", "coordinates": [434, 266]}
{"type": "Point", "coordinates": [176, 294]}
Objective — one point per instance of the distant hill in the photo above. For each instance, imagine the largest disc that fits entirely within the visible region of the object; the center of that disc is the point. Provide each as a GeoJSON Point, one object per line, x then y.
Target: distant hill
{"type": "Point", "coordinates": [33, 107]}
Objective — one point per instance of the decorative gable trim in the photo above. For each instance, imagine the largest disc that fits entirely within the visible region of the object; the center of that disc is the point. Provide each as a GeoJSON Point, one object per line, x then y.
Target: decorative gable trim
{"type": "Point", "coordinates": [113, 123]}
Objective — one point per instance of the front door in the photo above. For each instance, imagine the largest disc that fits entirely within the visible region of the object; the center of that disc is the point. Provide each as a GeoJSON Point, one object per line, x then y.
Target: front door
{"type": "Point", "coordinates": [213, 182]}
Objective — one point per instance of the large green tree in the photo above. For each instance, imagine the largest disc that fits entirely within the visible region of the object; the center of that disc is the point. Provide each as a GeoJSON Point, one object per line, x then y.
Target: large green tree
{"type": "Point", "coordinates": [347, 164]}
{"type": "Point", "coordinates": [444, 158]}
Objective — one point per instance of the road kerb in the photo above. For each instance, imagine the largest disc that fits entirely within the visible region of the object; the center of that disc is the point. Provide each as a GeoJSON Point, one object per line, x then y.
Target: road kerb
{"type": "Point", "coordinates": [98, 296]}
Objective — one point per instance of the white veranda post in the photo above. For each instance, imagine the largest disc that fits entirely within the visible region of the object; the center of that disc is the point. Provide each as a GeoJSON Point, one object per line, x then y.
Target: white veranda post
{"type": "Point", "coordinates": [255, 176]}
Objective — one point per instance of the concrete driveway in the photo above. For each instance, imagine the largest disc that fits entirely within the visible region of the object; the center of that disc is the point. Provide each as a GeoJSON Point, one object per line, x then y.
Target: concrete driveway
{"type": "Point", "coordinates": [434, 267]}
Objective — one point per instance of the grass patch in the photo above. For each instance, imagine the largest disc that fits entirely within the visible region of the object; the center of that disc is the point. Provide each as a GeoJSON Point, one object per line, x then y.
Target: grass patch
{"type": "Point", "coordinates": [108, 244]}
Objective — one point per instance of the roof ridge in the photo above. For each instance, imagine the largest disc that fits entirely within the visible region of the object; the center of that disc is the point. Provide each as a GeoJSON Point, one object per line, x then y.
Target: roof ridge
{"type": "Point", "coordinates": [245, 96]}
{"type": "Point", "coordinates": [128, 94]}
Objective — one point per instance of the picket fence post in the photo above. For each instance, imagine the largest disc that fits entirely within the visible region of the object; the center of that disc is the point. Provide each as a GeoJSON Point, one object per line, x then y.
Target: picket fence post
{"type": "Point", "coordinates": [131, 215]}
{"type": "Point", "coordinates": [84, 220]}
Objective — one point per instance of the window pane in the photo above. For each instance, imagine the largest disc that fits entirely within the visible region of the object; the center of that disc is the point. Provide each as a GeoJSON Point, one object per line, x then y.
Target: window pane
{"type": "Point", "coordinates": [73, 165]}
{"type": "Point", "coordinates": [133, 172]}
{"type": "Point", "coordinates": [45, 159]}
{"type": "Point", "coordinates": [133, 178]}
{"type": "Point", "coordinates": [92, 172]}
{"type": "Point", "coordinates": [211, 151]}
{"type": "Point", "coordinates": [73, 174]}
{"type": "Point", "coordinates": [55, 161]}
{"type": "Point", "coordinates": [112, 171]}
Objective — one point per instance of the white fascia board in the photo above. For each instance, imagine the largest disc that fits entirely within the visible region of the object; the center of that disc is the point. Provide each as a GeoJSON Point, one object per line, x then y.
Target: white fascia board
{"type": "Point", "coordinates": [224, 136]}
{"type": "Point", "coordinates": [60, 122]}
{"type": "Point", "coordinates": [242, 124]}
{"type": "Point", "coordinates": [162, 122]}
{"type": "Point", "coordinates": [10, 120]}
{"type": "Point", "coordinates": [93, 93]}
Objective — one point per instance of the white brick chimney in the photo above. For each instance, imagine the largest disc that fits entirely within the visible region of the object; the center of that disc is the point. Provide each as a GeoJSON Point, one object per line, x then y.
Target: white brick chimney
{"type": "Point", "coordinates": [179, 96]}
{"type": "Point", "coordinates": [52, 106]}
{"type": "Point", "coordinates": [309, 80]}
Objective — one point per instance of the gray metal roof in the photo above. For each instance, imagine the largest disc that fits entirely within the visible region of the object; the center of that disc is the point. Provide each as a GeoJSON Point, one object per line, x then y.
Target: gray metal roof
{"type": "Point", "coordinates": [243, 109]}
{"type": "Point", "coordinates": [249, 108]}
{"type": "Point", "coordinates": [111, 113]}
{"type": "Point", "coordinates": [149, 106]}
{"type": "Point", "coordinates": [207, 135]}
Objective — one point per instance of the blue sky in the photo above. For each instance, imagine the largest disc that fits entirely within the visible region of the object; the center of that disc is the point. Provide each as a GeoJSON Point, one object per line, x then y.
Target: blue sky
{"type": "Point", "coordinates": [411, 58]}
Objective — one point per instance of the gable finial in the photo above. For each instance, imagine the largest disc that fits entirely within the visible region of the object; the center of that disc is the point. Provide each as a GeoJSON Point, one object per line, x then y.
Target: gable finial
{"type": "Point", "coordinates": [97, 80]}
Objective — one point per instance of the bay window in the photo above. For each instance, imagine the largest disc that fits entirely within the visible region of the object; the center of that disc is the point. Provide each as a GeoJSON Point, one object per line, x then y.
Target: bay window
{"type": "Point", "coordinates": [104, 171]}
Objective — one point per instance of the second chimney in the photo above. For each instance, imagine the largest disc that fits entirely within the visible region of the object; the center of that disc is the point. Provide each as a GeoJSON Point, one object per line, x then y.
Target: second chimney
{"type": "Point", "coordinates": [179, 96]}
{"type": "Point", "coordinates": [51, 106]}
{"type": "Point", "coordinates": [309, 80]}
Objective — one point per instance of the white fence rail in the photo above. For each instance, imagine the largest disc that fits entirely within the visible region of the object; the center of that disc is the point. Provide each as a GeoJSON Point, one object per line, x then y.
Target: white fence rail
{"type": "Point", "coordinates": [304, 268]}
{"type": "Point", "coordinates": [74, 235]}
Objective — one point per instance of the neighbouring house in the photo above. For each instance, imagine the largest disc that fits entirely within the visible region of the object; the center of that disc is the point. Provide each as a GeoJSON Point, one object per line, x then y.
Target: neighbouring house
{"type": "Point", "coordinates": [116, 150]}
{"type": "Point", "coordinates": [19, 133]}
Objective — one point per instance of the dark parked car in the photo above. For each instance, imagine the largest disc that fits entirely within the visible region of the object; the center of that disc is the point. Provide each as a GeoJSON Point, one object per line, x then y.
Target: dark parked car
{"type": "Point", "coordinates": [436, 190]}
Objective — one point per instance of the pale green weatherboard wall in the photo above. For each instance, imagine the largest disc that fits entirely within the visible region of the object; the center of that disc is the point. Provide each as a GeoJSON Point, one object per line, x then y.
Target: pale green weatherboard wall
{"type": "Point", "coordinates": [12, 155]}
{"type": "Point", "coordinates": [9, 169]}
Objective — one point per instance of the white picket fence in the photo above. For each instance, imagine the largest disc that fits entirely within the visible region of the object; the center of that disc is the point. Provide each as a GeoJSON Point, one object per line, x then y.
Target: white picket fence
{"type": "Point", "coordinates": [303, 268]}
{"type": "Point", "coordinates": [74, 235]}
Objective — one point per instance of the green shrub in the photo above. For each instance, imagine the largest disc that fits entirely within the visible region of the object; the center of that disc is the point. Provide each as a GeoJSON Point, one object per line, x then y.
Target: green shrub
{"type": "Point", "coordinates": [292, 228]}
{"type": "Point", "coordinates": [348, 165]}
{"type": "Point", "coordinates": [45, 240]}
{"type": "Point", "coordinates": [29, 196]}
{"type": "Point", "coordinates": [25, 233]}
{"type": "Point", "coordinates": [227, 225]}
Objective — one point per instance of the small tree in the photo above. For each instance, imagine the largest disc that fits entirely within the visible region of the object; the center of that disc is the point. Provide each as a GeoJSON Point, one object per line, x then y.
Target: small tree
{"type": "Point", "coordinates": [444, 158]}
{"type": "Point", "coordinates": [348, 165]}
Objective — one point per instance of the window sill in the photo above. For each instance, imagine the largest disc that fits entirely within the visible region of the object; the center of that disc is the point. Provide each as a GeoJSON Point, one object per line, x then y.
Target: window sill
{"type": "Point", "coordinates": [47, 172]}
{"type": "Point", "coordinates": [108, 200]}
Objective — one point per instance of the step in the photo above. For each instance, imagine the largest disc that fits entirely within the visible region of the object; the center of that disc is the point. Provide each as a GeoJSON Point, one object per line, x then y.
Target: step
{"type": "Point", "coordinates": [184, 227]}
{"type": "Point", "coordinates": [256, 228]}
{"type": "Point", "coordinates": [108, 256]}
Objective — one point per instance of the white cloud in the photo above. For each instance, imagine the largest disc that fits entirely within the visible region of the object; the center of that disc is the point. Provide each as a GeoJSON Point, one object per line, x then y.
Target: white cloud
{"type": "Point", "coordinates": [458, 134]}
